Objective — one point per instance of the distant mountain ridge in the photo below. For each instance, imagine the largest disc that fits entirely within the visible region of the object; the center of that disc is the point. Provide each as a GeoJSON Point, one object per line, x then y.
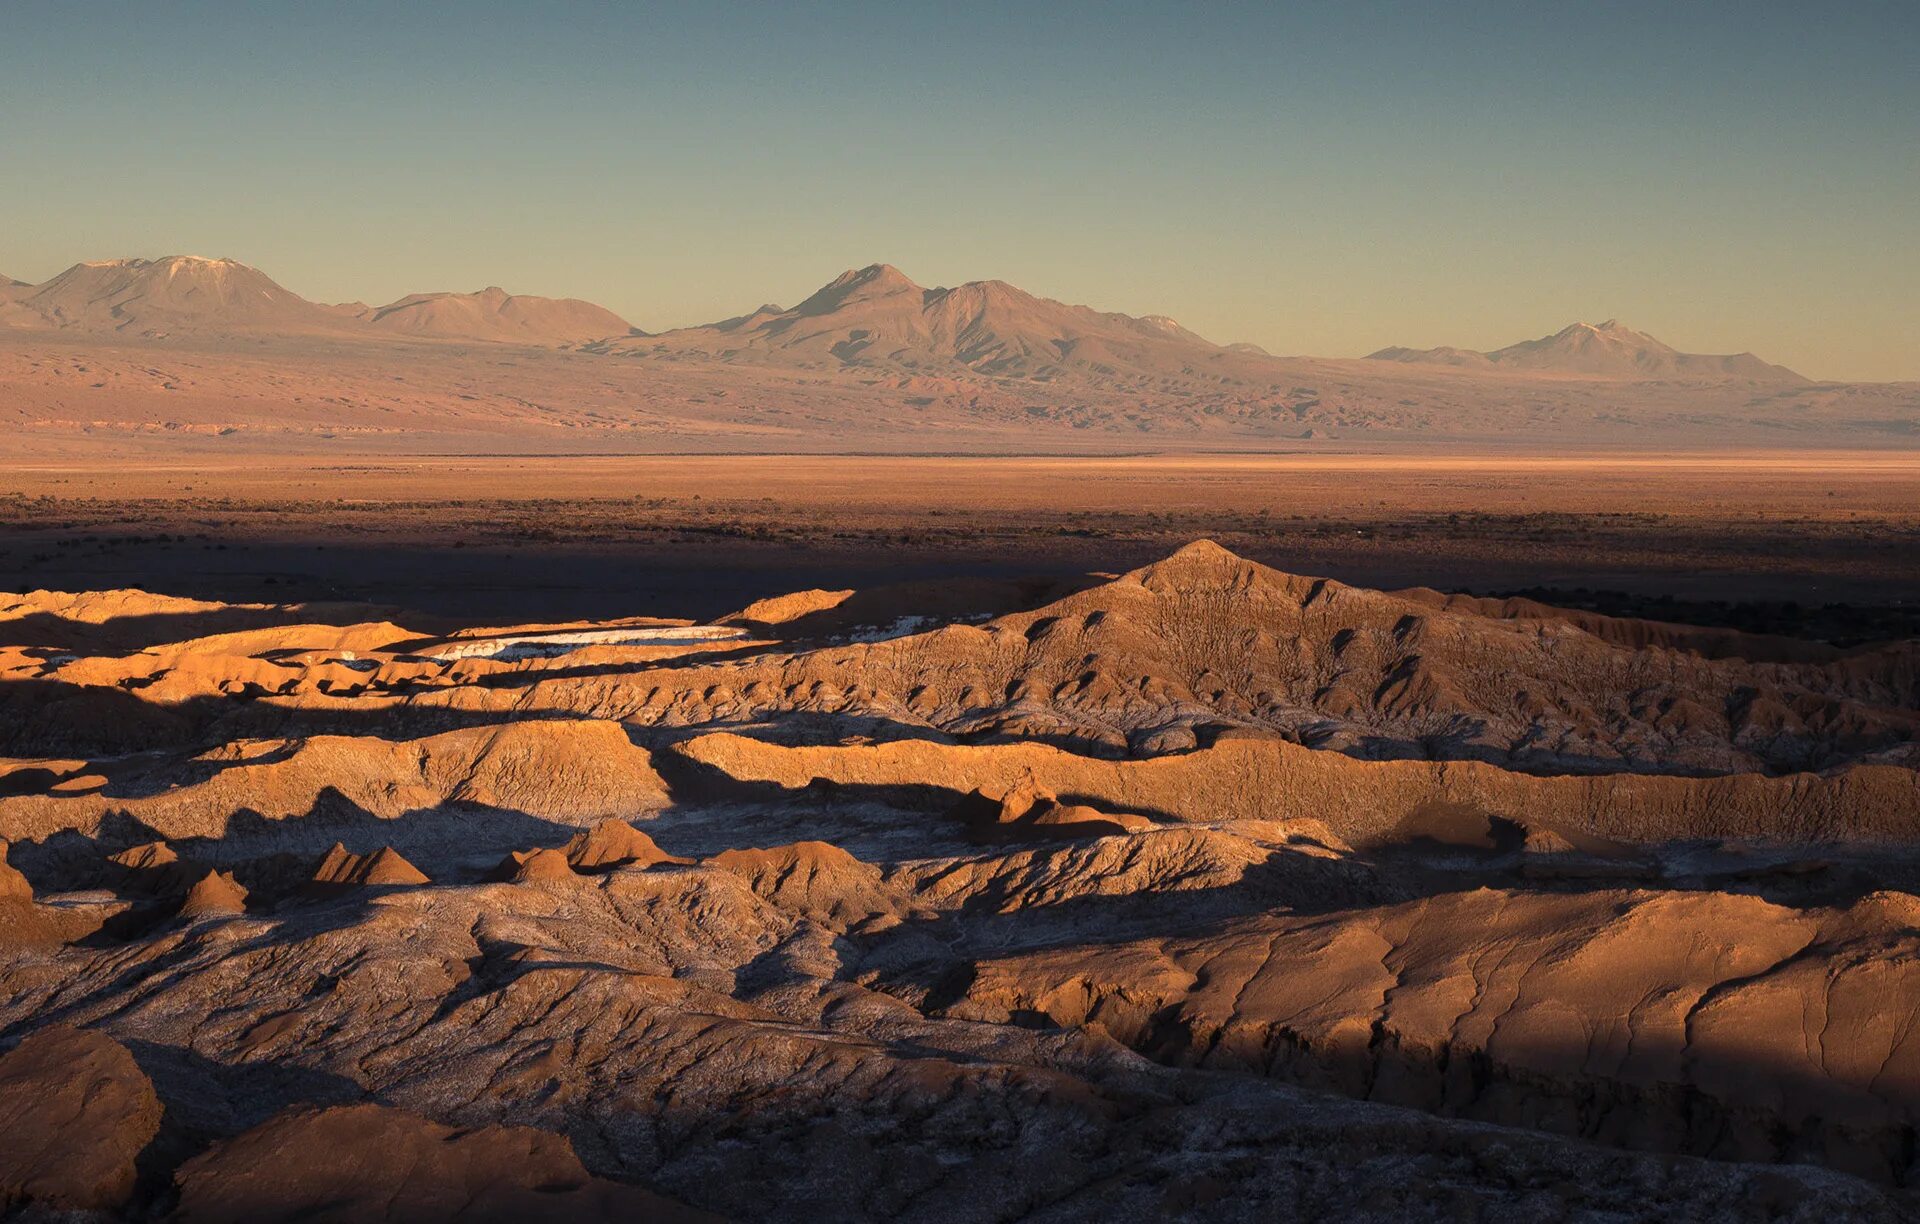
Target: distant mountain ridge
{"type": "Point", "coordinates": [494, 314]}
{"type": "Point", "coordinates": [877, 317]}
{"type": "Point", "coordinates": [869, 360]}
{"type": "Point", "coordinates": [161, 297]}
{"type": "Point", "coordinates": [1605, 350]}
{"type": "Point", "coordinates": [192, 295]}
{"type": "Point", "coordinates": [872, 317]}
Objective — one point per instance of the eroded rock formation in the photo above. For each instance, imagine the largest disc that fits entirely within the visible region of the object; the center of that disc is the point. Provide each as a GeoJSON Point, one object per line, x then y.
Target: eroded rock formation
{"type": "Point", "coordinates": [1206, 892]}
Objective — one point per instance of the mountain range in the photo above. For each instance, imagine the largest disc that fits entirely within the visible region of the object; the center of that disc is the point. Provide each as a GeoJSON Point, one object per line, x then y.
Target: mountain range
{"type": "Point", "coordinates": [188, 295]}
{"type": "Point", "coordinates": [495, 314]}
{"type": "Point", "coordinates": [877, 317]}
{"type": "Point", "coordinates": [157, 297]}
{"type": "Point", "coordinates": [1601, 350]}
{"type": "Point", "coordinates": [873, 317]}
{"type": "Point", "coordinates": [210, 353]}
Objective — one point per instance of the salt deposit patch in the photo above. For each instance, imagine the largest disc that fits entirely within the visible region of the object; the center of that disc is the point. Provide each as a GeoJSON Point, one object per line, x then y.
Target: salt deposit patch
{"type": "Point", "coordinates": [551, 645]}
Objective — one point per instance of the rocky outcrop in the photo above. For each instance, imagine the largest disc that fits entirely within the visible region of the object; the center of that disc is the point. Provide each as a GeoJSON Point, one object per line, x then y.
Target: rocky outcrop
{"type": "Point", "coordinates": [1207, 891]}
{"type": "Point", "coordinates": [14, 887]}
{"type": "Point", "coordinates": [1363, 802]}
{"type": "Point", "coordinates": [794, 1032]}
{"type": "Point", "coordinates": [75, 1113]}
{"type": "Point", "coordinates": [352, 1163]}
{"type": "Point", "coordinates": [1719, 1025]}
{"type": "Point", "coordinates": [561, 771]}
{"type": "Point", "coordinates": [1158, 659]}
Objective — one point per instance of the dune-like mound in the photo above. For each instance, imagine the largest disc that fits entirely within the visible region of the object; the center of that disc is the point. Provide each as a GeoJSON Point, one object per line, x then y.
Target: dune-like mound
{"type": "Point", "coordinates": [535, 866]}
{"type": "Point", "coordinates": [564, 770]}
{"type": "Point", "coordinates": [815, 879]}
{"type": "Point", "coordinates": [382, 868]}
{"type": "Point", "coordinates": [215, 893]}
{"type": "Point", "coordinates": [147, 856]}
{"type": "Point", "coordinates": [1030, 810]}
{"type": "Point", "coordinates": [97, 608]}
{"type": "Point", "coordinates": [369, 1162]}
{"type": "Point", "coordinates": [76, 1112]}
{"type": "Point", "coordinates": [614, 843]}
{"type": "Point", "coordinates": [780, 609]}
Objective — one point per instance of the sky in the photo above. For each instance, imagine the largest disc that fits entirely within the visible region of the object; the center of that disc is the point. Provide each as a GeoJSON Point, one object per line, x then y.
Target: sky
{"type": "Point", "coordinates": [1321, 179]}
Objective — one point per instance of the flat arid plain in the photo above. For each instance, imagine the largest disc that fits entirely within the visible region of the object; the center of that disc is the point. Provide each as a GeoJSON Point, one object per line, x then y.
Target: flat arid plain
{"type": "Point", "coordinates": [474, 759]}
{"type": "Point", "coordinates": [1835, 533]}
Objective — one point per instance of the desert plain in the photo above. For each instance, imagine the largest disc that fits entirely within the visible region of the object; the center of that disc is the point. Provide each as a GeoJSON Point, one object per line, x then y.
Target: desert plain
{"type": "Point", "coordinates": [942, 754]}
{"type": "Point", "coordinates": [703, 534]}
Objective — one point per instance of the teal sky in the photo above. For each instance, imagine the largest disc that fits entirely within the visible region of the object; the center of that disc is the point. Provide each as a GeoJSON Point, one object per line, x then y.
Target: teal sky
{"type": "Point", "coordinates": [1322, 179]}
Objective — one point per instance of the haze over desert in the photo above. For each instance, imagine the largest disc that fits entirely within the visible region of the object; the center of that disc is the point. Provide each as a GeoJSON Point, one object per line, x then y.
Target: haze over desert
{"type": "Point", "coordinates": [998, 614]}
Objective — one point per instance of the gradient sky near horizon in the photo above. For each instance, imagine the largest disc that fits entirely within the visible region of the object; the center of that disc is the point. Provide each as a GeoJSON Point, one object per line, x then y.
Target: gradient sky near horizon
{"type": "Point", "coordinates": [1323, 179]}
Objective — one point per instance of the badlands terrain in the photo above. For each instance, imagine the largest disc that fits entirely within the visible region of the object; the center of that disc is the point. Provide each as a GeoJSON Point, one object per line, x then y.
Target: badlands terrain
{"type": "Point", "coordinates": [1202, 890]}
